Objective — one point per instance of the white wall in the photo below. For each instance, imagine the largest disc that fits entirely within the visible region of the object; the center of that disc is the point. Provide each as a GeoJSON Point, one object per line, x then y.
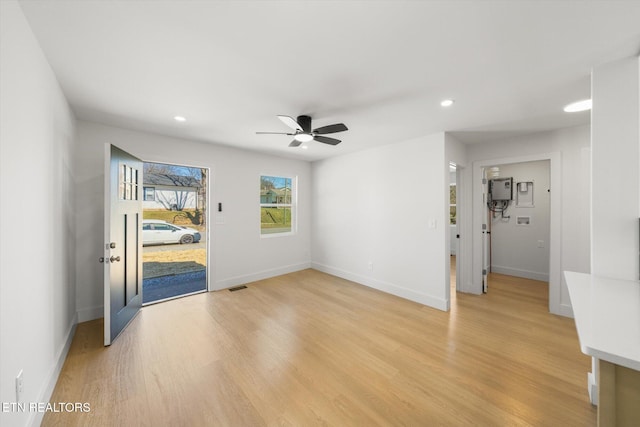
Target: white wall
{"type": "Point", "coordinates": [375, 206]}
{"type": "Point", "coordinates": [616, 169]}
{"type": "Point", "coordinates": [37, 303]}
{"type": "Point", "coordinates": [516, 249]}
{"type": "Point", "coordinates": [237, 252]}
{"type": "Point", "coordinates": [572, 146]}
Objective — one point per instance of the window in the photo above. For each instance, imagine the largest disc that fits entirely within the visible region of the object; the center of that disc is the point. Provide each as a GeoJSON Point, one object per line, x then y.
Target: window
{"type": "Point", "coordinates": [162, 227]}
{"type": "Point", "coordinates": [128, 181]}
{"type": "Point", "coordinates": [452, 204]}
{"type": "Point", "coordinates": [277, 205]}
{"type": "Point", "coordinates": [149, 193]}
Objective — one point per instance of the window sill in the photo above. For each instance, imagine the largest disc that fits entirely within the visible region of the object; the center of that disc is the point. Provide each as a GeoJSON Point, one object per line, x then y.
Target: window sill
{"type": "Point", "coordinates": [271, 235]}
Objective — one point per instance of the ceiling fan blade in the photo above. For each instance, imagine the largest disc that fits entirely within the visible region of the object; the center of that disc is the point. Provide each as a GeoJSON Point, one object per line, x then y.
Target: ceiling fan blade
{"type": "Point", "coordinates": [290, 122]}
{"type": "Point", "coordinates": [327, 140]}
{"type": "Point", "coordinates": [295, 143]}
{"type": "Point", "coordinates": [338, 127]}
{"type": "Point", "coordinates": [274, 133]}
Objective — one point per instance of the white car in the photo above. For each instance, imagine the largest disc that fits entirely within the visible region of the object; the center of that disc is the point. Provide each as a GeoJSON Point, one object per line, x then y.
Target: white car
{"type": "Point", "coordinates": [157, 232]}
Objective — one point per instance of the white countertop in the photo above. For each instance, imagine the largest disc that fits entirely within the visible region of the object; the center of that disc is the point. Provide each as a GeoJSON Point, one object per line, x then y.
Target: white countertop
{"type": "Point", "coordinates": [607, 316]}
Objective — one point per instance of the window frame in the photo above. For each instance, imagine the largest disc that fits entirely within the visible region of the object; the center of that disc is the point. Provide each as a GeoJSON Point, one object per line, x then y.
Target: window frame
{"type": "Point", "coordinates": [293, 206]}
{"type": "Point", "coordinates": [152, 197]}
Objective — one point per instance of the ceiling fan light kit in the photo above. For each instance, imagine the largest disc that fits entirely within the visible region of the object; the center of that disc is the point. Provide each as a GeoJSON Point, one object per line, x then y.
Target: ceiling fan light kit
{"type": "Point", "coordinates": [303, 137]}
{"type": "Point", "coordinates": [303, 132]}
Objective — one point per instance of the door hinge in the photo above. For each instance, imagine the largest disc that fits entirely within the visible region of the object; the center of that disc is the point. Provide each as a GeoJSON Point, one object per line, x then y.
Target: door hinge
{"type": "Point", "coordinates": [484, 226]}
{"type": "Point", "coordinates": [484, 180]}
{"type": "Point", "coordinates": [484, 272]}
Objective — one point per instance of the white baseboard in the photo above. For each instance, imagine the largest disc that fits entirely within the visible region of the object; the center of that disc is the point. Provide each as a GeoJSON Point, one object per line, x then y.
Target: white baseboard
{"type": "Point", "coordinates": [566, 310]}
{"type": "Point", "coordinates": [260, 275]}
{"type": "Point", "coordinates": [91, 313]}
{"type": "Point", "coordinates": [592, 387]}
{"type": "Point", "coordinates": [534, 275]}
{"type": "Point", "coordinates": [35, 419]}
{"type": "Point", "coordinates": [390, 288]}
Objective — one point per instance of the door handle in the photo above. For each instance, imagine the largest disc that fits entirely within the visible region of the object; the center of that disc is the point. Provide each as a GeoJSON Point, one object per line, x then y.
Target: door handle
{"type": "Point", "coordinates": [115, 259]}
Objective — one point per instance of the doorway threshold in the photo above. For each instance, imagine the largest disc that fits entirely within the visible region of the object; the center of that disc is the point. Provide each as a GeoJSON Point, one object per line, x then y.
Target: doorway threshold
{"type": "Point", "coordinates": [163, 288]}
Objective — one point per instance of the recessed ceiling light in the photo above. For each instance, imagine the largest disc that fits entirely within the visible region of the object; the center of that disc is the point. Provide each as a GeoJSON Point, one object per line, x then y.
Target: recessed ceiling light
{"type": "Point", "coordinates": [575, 107]}
{"type": "Point", "coordinates": [179, 119]}
{"type": "Point", "coordinates": [447, 102]}
{"type": "Point", "coordinates": [304, 147]}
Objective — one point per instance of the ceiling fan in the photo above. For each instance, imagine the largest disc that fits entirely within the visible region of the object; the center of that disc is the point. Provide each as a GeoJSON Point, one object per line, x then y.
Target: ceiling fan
{"type": "Point", "coordinates": [303, 132]}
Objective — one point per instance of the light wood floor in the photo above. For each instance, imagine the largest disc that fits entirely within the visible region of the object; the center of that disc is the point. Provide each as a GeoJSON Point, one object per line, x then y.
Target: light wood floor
{"type": "Point", "coordinates": [311, 349]}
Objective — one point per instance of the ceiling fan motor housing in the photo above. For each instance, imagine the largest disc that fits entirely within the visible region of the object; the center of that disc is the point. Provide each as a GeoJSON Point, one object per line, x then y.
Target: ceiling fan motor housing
{"type": "Point", "coordinates": [304, 132]}
{"type": "Point", "coordinates": [305, 123]}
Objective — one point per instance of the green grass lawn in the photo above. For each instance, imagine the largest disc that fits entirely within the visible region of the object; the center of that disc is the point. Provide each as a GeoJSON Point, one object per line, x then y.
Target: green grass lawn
{"type": "Point", "coordinates": [275, 218]}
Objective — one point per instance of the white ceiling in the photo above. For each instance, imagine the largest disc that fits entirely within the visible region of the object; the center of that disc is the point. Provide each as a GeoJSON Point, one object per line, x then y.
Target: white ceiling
{"type": "Point", "coordinates": [380, 67]}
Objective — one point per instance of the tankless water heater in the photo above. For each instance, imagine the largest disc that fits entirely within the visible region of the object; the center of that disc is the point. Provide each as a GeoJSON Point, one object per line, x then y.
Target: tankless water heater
{"type": "Point", "coordinates": [501, 189]}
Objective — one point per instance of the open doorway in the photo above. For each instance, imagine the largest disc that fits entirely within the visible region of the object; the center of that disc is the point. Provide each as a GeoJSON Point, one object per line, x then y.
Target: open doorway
{"type": "Point", "coordinates": [454, 234]}
{"type": "Point", "coordinates": [478, 218]}
{"type": "Point", "coordinates": [174, 231]}
{"type": "Point", "coordinates": [518, 221]}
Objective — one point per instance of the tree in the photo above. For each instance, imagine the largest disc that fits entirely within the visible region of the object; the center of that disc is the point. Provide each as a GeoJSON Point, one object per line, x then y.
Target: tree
{"type": "Point", "coordinates": [177, 202]}
{"type": "Point", "coordinates": [267, 182]}
{"type": "Point", "coordinates": [178, 175]}
{"type": "Point", "coordinates": [160, 168]}
{"type": "Point", "coordinates": [201, 197]}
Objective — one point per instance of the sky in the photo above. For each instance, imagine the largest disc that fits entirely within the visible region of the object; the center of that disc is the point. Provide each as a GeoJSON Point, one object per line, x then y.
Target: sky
{"type": "Point", "coordinates": [278, 182]}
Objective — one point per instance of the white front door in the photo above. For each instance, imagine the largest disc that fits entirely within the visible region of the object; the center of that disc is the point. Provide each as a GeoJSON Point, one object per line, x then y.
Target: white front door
{"type": "Point", "coordinates": [123, 241]}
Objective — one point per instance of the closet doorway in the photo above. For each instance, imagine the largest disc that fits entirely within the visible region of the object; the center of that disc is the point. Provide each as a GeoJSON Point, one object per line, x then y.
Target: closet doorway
{"type": "Point", "coordinates": [518, 220]}
{"type": "Point", "coordinates": [479, 223]}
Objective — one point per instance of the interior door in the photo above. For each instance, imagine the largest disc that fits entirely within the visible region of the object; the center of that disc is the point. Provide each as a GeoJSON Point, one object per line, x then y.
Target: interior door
{"type": "Point", "coordinates": [459, 219]}
{"type": "Point", "coordinates": [486, 233]}
{"type": "Point", "coordinates": [123, 241]}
